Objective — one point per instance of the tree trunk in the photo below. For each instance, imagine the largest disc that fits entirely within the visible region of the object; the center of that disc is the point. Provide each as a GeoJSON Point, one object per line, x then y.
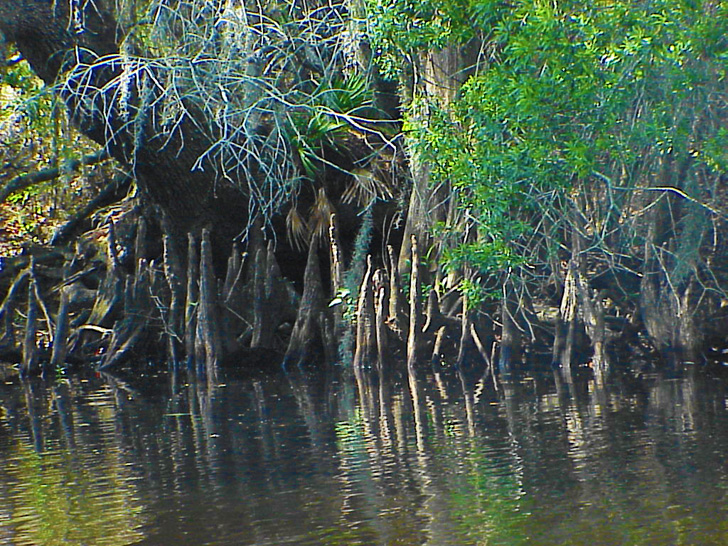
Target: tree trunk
{"type": "Point", "coordinates": [365, 336]}
{"type": "Point", "coordinates": [414, 337]}
{"type": "Point", "coordinates": [309, 331]}
{"type": "Point", "coordinates": [188, 198]}
{"type": "Point", "coordinates": [441, 73]}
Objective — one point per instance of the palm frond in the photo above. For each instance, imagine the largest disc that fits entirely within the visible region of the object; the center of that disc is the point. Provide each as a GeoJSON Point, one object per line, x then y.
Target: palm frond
{"type": "Point", "coordinates": [366, 187]}
{"type": "Point", "coordinates": [297, 229]}
{"type": "Point", "coordinates": [320, 217]}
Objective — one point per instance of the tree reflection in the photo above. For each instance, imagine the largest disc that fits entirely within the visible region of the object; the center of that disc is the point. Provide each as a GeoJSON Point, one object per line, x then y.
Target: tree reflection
{"type": "Point", "coordinates": [55, 491]}
{"type": "Point", "coordinates": [375, 458]}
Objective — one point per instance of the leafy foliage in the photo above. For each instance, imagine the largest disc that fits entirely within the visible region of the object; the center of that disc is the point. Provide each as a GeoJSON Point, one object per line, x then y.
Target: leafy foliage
{"type": "Point", "coordinates": [407, 26]}
{"type": "Point", "coordinates": [570, 111]}
{"type": "Point", "coordinates": [322, 120]}
{"type": "Point", "coordinates": [34, 135]}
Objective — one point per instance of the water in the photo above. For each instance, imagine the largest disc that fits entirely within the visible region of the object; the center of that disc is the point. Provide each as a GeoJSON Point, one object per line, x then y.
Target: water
{"type": "Point", "coordinates": [442, 460]}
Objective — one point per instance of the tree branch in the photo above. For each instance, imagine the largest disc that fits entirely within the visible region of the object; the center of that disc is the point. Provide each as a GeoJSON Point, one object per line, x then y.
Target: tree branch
{"type": "Point", "coordinates": [25, 181]}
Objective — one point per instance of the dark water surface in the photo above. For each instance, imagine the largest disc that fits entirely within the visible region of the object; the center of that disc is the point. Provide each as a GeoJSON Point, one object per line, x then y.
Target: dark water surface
{"type": "Point", "coordinates": [291, 459]}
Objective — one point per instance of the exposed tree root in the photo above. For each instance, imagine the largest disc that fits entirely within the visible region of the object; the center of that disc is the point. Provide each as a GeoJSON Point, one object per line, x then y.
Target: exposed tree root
{"type": "Point", "coordinates": [138, 297]}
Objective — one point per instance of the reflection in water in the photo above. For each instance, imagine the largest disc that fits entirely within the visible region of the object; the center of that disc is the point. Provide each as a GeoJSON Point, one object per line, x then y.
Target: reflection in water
{"type": "Point", "coordinates": [65, 479]}
{"type": "Point", "coordinates": [438, 459]}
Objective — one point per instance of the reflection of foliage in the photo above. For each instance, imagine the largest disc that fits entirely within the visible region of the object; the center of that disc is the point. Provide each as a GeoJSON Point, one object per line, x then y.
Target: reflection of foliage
{"type": "Point", "coordinates": [533, 466]}
{"type": "Point", "coordinates": [488, 502]}
{"type": "Point", "coordinates": [58, 502]}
